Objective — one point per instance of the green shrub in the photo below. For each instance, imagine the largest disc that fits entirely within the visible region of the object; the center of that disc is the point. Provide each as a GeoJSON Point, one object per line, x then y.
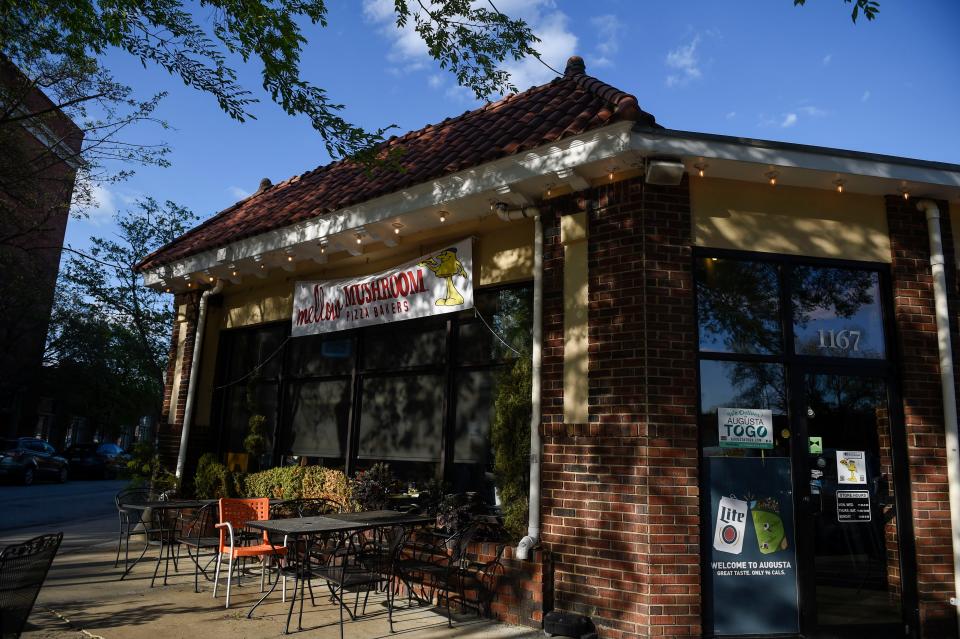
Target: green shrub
{"type": "Point", "coordinates": [326, 483]}
{"type": "Point", "coordinates": [371, 488]}
{"type": "Point", "coordinates": [146, 470]}
{"type": "Point", "coordinates": [212, 479]}
{"type": "Point", "coordinates": [285, 482]}
{"type": "Point", "coordinates": [510, 437]}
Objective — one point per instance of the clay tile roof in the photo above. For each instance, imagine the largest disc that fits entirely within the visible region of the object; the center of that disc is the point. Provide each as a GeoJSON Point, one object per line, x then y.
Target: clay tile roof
{"type": "Point", "coordinates": [567, 106]}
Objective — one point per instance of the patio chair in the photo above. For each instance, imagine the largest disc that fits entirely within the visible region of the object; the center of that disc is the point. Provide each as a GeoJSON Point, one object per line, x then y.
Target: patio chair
{"type": "Point", "coordinates": [130, 519]}
{"type": "Point", "coordinates": [437, 565]}
{"type": "Point", "coordinates": [196, 531]}
{"type": "Point", "coordinates": [345, 571]}
{"type": "Point", "coordinates": [483, 577]}
{"type": "Point", "coordinates": [23, 568]}
{"type": "Point", "coordinates": [234, 515]}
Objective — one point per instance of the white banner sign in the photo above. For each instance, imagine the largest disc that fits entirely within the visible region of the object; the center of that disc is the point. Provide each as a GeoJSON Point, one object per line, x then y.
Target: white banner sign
{"type": "Point", "coordinates": [745, 427]}
{"type": "Point", "coordinates": [441, 282]}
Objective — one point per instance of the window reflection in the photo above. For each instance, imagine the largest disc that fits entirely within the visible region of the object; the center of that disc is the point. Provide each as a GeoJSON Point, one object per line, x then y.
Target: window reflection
{"type": "Point", "coordinates": [742, 385]}
{"type": "Point", "coordinates": [836, 313]}
{"type": "Point", "coordinates": [738, 306]}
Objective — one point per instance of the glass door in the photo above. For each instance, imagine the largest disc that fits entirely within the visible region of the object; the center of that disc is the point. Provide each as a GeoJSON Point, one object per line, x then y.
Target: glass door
{"type": "Point", "coordinates": [852, 578]}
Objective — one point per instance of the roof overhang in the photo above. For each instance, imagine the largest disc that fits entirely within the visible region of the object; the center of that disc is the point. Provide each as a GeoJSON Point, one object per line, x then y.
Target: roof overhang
{"type": "Point", "coordinates": [574, 164]}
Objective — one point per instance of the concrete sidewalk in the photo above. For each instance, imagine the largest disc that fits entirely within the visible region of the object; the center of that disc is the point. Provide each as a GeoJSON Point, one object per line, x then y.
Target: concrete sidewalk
{"type": "Point", "coordinates": [83, 598]}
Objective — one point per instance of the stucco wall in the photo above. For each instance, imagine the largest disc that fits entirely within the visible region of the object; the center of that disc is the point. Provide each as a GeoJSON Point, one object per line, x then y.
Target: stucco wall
{"type": "Point", "coordinates": [782, 219]}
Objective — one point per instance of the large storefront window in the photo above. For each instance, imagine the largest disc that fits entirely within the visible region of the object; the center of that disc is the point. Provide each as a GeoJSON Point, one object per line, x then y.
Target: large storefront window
{"type": "Point", "coordinates": [418, 395]}
{"type": "Point", "coordinates": [798, 449]}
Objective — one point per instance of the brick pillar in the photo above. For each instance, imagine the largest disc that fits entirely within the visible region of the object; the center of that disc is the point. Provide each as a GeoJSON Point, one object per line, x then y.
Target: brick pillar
{"type": "Point", "coordinates": [621, 511]}
{"type": "Point", "coordinates": [913, 305]}
{"type": "Point", "coordinates": [177, 377]}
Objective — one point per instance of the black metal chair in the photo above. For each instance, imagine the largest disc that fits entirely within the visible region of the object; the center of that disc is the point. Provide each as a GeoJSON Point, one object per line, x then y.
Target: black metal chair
{"type": "Point", "coordinates": [197, 533]}
{"type": "Point", "coordinates": [130, 520]}
{"type": "Point", "coordinates": [437, 564]}
{"type": "Point", "coordinates": [483, 577]}
{"type": "Point", "coordinates": [23, 568]}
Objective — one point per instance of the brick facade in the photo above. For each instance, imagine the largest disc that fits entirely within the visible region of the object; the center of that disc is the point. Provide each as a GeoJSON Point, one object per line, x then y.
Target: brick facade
{"type": "Point", "coordinates": [913, 304]}
{"type": "Point", "coordinates": [168, 432]}
{"type": "Point", "coordinates": [620, 494]}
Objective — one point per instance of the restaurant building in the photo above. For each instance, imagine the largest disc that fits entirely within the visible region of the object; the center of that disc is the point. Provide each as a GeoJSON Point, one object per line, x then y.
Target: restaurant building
{"type": "Point", "coordinates": [742, 356]}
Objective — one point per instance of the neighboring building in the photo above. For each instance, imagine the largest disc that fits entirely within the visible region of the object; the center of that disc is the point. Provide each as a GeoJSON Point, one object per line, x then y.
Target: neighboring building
{"type": "Point", "coordinates": [38, 164]}
{"type": "Point", "coordinates": [741, 410]}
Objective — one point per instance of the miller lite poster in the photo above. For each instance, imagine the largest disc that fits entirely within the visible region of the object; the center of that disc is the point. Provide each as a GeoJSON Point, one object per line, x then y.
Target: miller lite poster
{"type": "Point", "coordinates": [437, 283]}
{"type": "Point", "coordinates": [753, 556]}
{"type": "Point", "coordinates": [731, 520]}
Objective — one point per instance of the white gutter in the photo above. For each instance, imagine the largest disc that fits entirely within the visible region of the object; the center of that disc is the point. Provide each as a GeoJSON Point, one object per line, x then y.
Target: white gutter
{"type": "Point", "coordinates": [533, 521]}
{"type": "Point", "coordinates": [946, 383]}
{"type": "Point", "coordinates": [194, 373]}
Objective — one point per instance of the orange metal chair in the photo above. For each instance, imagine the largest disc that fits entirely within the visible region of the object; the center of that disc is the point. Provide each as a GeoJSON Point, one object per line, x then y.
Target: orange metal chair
{"type": "Point", "coordinates": [234, 515]}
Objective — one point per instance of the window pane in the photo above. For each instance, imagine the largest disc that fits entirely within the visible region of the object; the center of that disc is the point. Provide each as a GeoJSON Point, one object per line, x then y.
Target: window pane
{"type": "Point", "coordinates": [509, 314]}
{"type": "Point", "coordinates": [836, 312]}
{"type": "Point", "coordinates": [738, 306]}
{"type": "Point", "coordinates": [318, 418]}
{"type": "Point", "coordinates": [237, 416]}
{"type": "Point", "coordinates": [401, 418]}
{"type": "Point", "coordinates": [319, 356]}
{"type": "Point", "coordinates": [254, 346]}
{"type": "Point", "coordinates": [742, 385]}
{"type": "Point", "coordinates": [415, 343]}
{"type": "Point", "coordinates": [476, 392]}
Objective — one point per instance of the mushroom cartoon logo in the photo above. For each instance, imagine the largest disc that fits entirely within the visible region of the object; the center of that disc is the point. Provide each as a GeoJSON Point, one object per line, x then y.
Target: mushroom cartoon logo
{"type": "Point", "coordinates": [445, 265]}
{"type": "Point", "coordinates": [851, 466]}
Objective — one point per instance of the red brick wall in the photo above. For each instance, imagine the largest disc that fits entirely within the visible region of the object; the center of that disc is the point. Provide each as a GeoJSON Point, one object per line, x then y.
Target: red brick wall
{"type": "Point", "coordinates": [923, 407]}
{"type": "Point", "coordinates": [168, 435]}
{"type": "Point", "coordinates": [620, 509]}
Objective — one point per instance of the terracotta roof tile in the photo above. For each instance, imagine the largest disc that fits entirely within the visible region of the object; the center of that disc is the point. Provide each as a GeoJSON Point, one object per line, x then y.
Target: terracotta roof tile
{"type": "Point", "coordinates": [567, 106]}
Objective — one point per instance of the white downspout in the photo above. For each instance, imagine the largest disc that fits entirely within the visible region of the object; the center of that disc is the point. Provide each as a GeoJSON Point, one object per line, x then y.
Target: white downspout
{"type": "Point", "coordinates": [946, 384]}
{"type": "Point", "coordinates": [533, 522]}
{"type": "Point", "coordinates": [194, 372]}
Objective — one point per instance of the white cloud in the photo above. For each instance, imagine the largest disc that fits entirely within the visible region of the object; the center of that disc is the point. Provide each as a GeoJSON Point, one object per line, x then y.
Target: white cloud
{"type": "Point", "coordinates": [684, 62]}
{"type": "Point", "coordinates": [237, 192]}
{"type": "Point", "coordinates": [609, 30]}
{"type": "Point", "coordinates": [827, 59]}
{"type": "Point", "coordinates": [812, 111]}
{"type": "Point", "coordinates": [102, 207]}
{"type": "Point", "coordinates": [865, 96]}
{"type": "Point", "coordinates": [731, 115]}
{"type": "Point", "coordinates": [409, 54]}
{"type": "Point", "coordinates": [789, 120]}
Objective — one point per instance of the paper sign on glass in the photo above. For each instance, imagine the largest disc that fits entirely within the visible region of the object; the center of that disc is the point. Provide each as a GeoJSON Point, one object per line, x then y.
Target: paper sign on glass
{"type": "Point", "coordinates": [851, 467]}
{"type": "Point", "coordinates": [731, 522]}
{"type": "Point", "coordinates": [745, 427]}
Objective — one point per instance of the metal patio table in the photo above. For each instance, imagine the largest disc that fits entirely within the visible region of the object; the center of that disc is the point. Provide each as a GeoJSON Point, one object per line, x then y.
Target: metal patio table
{"type": "Point", "coordinates": [166, 534]}
{"type": "Point", "coordinates": [325, 526]}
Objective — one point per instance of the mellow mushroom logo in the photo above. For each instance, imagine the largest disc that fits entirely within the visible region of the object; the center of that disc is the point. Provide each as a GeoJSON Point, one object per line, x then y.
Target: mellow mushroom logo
{"type": "Point", "coordinates": [433, 284]}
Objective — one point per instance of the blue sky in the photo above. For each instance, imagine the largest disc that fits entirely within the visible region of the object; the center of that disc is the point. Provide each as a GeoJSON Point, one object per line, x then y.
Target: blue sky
{"type": "Point", "coordinates": [755, 68]}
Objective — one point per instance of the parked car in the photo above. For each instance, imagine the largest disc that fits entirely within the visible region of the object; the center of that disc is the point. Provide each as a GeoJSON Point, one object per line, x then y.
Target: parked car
{"type": "Point", "coordinates": [27, 459]}
{"type": "Point", "coordinates": [96, 461]}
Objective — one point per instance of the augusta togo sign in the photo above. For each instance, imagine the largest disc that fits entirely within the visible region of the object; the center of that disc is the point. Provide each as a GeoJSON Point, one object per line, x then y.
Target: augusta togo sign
{"type": "Point", "coordinates": [440, 282]}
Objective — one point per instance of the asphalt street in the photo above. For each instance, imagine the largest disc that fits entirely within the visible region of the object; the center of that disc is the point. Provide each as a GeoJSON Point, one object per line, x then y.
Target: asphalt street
{"type": "Point", "coordinates": [83, 510]}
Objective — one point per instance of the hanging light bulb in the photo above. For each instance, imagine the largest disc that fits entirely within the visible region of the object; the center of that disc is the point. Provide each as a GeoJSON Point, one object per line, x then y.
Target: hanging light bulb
{"type": "Point", "coordinates": [839, 184]}
{"type": "Point", "coordinates": [234, 273]}
{"type": "Point", "coordinates": [443, 216]}
{"type": "Point", "coordinates": [772, 177]}
{"type": "Point", "coordinates": [906, 194]}
{"type": "Point", "coordinates": [289, 258]}
{"type": "Point", "coordinates": [701, 168]}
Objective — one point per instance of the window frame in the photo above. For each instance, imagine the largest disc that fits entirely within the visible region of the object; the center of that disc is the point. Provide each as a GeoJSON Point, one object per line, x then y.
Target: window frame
{"type": "Point", "coordinates": [448, 369]}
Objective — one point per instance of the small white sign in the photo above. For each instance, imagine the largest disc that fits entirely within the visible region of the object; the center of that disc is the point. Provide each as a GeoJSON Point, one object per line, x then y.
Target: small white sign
{"type": "Point", "coordinates": [731, 522]}
{"type": "Point", "coordinates": [851, 467]}
{"type": "Point", "coordinates": [745, 427]}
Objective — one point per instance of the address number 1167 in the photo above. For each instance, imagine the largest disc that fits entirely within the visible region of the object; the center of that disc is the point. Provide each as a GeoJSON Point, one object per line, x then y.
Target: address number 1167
{"type": "Point", "coordinates": [844, 340]}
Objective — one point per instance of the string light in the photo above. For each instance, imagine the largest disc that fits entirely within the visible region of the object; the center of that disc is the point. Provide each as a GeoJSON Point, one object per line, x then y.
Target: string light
{"type": "Point", "coordinates": [234, 273]}
{"type": "Point", "coordinates": [396, 230]}
{"type": "Point", "coordinates": [906, 194]}
{"type": "Point", "coordinates": [263, 266]}
{"type": "Point", "coordinates": [359, 239]}
{"type": "Point", "coordinates": [443, 216]}
{"type": "Point", "coordinates": [289, 258]}
{"type": "Point", "coordinates": [839, 184]}
{"type": "Point", "coordinates": [211, 278]}
{"type": "Point", "coordinates": [772, 177]}
{"type": "Point", "coordinates": [610, 175]}
{"type": "Point", "coordinates": [701, 168]}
